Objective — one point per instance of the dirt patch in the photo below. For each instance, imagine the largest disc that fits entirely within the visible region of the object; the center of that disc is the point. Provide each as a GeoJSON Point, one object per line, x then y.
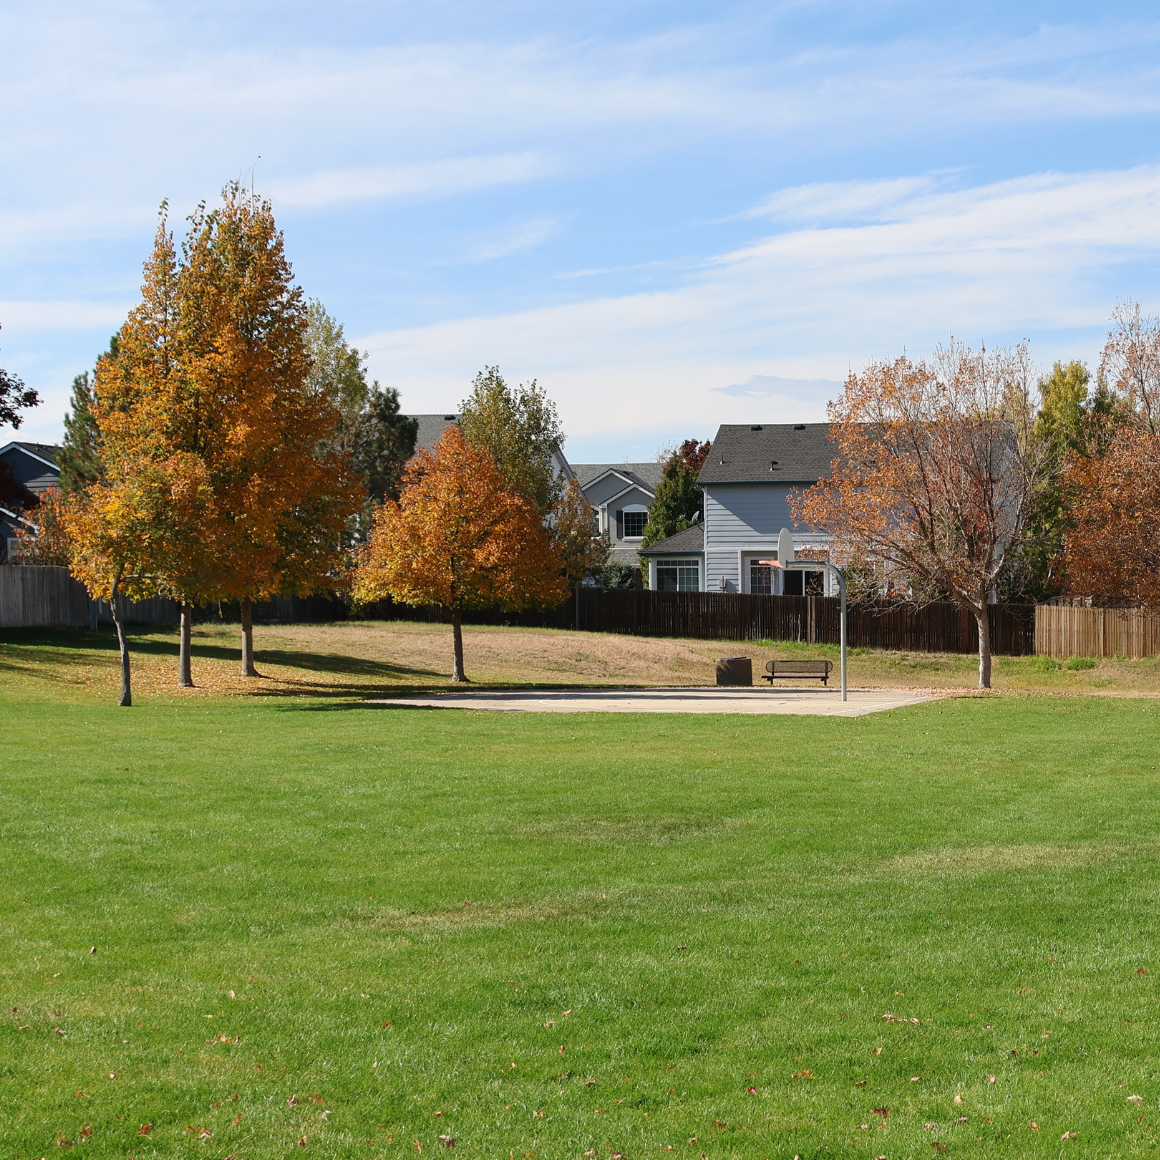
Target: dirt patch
{"type": "Point", "coordinates": [988, 859]}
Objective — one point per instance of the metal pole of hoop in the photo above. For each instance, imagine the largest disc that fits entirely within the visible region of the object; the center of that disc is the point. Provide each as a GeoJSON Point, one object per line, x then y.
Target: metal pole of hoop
{"type": "Point", "coordinates": [787, 558]}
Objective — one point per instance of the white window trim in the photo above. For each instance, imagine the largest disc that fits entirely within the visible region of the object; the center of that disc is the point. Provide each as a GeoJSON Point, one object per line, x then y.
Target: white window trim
{"type": "Point", "coordinates": [635, 509]}
{"type": "Point", "coordinates": [680, 561]}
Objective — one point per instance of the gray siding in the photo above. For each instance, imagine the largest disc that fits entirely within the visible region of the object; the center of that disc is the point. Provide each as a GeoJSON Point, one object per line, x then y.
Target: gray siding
{"type": "Point", "coordinates": [30, 471]}
{"type": "Point", "coordinates": [736, 516]}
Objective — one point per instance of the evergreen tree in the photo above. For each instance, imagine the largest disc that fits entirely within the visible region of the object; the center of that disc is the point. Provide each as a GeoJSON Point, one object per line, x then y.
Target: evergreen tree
{"type": "Point", "coordinates": [377, 440]}
{"type": "Point", "coordinates": [678, 502]}
{"type": "Point", "coordinates": [79, 458]}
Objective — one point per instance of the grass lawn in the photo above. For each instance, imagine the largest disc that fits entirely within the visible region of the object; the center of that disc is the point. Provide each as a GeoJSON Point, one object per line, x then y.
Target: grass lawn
{"type": "Point", "coordinates": [328, 929]}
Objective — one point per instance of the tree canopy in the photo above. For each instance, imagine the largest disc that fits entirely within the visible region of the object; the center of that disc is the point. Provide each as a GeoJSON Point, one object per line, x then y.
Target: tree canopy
{"type": "Point", "coordinates": [14, 398]}
{"type": "Point", "coordinates": [458, 538]}
{"type": "Point", "coordinates": [521, 431]}
{"type": "Point", "coordinates": [937, 477]}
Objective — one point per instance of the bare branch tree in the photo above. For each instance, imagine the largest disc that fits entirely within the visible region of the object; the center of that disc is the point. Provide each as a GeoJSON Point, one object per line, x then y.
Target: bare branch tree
{"type": "Point", "coordinates": [937, 475]}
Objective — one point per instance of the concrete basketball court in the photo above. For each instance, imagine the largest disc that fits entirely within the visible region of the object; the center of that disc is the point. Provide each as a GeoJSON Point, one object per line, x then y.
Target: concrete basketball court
{"type": "Point", "coordinates": [816, 702]}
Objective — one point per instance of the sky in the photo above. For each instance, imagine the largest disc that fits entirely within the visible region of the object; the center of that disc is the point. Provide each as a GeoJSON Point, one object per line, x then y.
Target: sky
{"type": "Point", "coordinates": [672, 215]}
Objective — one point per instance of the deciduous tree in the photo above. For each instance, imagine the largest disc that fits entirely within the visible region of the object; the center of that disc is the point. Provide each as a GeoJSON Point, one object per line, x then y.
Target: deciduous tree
{"type": "Point", "coordinates": [14, 398]}
{"type": "Point", "coordinates": [937, 475]}
{"type": "Point", "coordinates": [458, 538]}
{"type": "Point", "coordinates": [1112, 548]}
{"type": "Point", "coordinates": [46, 543]}
{"type": "Point", "coordinates": [583, 550]}
{"type": "Point", "coordinates": [521, 431]}
{"type": "Point", "coordinates": [283, 492]}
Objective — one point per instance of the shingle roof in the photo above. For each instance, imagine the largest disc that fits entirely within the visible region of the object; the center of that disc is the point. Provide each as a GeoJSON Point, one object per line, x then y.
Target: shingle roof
{"type": "Point", "coordinates": [431, 427]}
{"type": "Point", "coordinates": [43, 450]}
{"type": "Point", "coordinates": [769, 453]}
{"type": "Point", "coordinates": [647, 474]}
{"type": "Point", "coordinates": [692, 539]}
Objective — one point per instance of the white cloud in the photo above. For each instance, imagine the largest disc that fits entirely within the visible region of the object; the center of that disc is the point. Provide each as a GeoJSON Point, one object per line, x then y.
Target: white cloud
{"type": "Point", "coordinates": [61, 315]}
{"type": "Point", "coordinates": [1026, 255]}
{"type": "Point", "coordinates": [435, 178]}
{"type": "Point", "coordinates": [515, 240]}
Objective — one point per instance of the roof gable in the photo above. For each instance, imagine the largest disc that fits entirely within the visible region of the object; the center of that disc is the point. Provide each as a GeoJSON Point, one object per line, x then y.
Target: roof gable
{"type": "Point", "coordinates": [44, 453]}
{"type": "Point", "coordinates": [769, 453]}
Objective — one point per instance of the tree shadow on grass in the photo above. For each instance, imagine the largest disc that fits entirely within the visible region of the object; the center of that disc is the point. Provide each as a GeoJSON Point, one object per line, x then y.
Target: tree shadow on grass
{"type": "Point", "coordinates": [70, 648]}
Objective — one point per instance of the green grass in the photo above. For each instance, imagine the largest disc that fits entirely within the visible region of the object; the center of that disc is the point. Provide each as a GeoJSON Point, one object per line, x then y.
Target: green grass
{"type": "Point", "coordinates": [336, 922]}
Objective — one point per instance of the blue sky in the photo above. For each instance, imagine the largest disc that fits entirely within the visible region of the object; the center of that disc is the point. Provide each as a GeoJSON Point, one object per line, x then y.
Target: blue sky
{"type": "Point", "coordinates": [673, 215]}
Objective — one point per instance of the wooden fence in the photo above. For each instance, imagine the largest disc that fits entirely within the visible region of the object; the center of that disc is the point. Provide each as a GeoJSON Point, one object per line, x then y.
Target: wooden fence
{"type": "Point", "coordinates": [41, 597]}
{"type": "Point", "coordinates": [940, 627]}
{"type": "Point", "coordinates": [49, 597]}
{"type": "Point", "coordinates": [1062, 631]}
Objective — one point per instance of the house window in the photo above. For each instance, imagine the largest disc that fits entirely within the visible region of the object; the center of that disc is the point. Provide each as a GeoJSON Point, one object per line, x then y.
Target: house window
{"type": "Point", "coordinates": [761, 579]}
{"type": "Point", "coordinates": [634, 523]}
{"type": "Point", "coordinates": [805, 583]}
{"type": "Point", "coordinates": [678, 576]}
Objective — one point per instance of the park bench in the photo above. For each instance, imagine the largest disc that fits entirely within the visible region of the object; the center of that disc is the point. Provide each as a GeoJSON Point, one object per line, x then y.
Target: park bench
{"type": "Point", "coordinates": [800, 669]}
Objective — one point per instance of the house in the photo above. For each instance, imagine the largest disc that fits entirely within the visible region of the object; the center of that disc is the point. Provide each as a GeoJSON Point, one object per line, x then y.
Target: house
{"type": "Point", "coordinates": [621, 493]}
{"type": "Point", "coordinates": [431, 427]}
{"type": "Point", "coordinates": [26, 470]}
{"type": "Point", "coordinates": [747, 480]}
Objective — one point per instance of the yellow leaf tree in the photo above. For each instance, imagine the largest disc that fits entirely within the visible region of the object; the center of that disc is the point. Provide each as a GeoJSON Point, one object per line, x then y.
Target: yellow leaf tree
{"type": "Point", "coordinates": [456, 538]}
{"type": "Point", "coordinates": [282, 492]}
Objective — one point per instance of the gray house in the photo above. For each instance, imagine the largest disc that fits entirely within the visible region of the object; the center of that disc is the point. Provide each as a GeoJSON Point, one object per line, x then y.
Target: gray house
{"type": "Point", "coordinates": [621, 493]}
{"type": "Point", "coordinates": [747, 480]}
{"type": "Point", "coordinates": [26, 470]}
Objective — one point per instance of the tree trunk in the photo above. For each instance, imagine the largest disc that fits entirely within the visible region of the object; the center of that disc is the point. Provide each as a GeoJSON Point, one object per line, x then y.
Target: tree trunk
{"type": "Point", "coordinates": [184, 672]}
{"type": "Point", "coordinates": [983, 619]}
{"type": "Point", "coordinates": [126, 686]}
{"type": "Point", "coordinates": [457, 633]}
{"type": "Point", "coordinates": [248, 669]}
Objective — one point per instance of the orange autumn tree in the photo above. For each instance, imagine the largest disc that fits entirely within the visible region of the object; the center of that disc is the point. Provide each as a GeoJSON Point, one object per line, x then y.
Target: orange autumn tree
{"type": "Point", "coordinates": [282, 492]}
{"type": "Point", "coordinates": [937, 477]}
{"type": "Point", "coordinates": [456, 538]}
{"type": "Point", "coordinates": [1112, 549]}
{"type": "Point", "coordinates": [123, 532]}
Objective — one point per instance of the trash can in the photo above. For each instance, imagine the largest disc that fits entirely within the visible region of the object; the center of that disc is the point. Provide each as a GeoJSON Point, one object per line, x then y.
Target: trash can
{"type": "Point", "coordinates": [735, 671]}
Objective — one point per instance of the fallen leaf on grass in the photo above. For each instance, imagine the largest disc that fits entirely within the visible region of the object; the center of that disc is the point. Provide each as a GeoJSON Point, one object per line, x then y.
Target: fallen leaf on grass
{"type": "Point", "coordinates": [883, 1112]}
{"type": "Point", "coordinates": [292, 1101]}
{"type": "Point", "coordinates": [938, 1146]}
{"type": "Point", "coordinates": [537, 1115]}
{"type": "Point", "coordinates": [85, 1132]}
{"type": "Point", "coordinates": [752, 1091]}
{"type": "Point", "coordinates": [1034, 1126]}
{"type": "Point", "coordinates": [550, 1024]}
{"type": "Point", "coordinates": [1069, 1135]}
{"type": "Point", "coordinates": [860, 1083]}
{"type": "Point", "coordinates": [876, 1051]}
{"type": "Point", "coordinates": [1135, 1099]}
{"type": "Point", "coordinates": [447, 1141]}
{"type": "Point", "coordinates": [236, 1120]}
{"type": "Point", "coordinates": [83, 1095]}
{"type": "Point", "coordinates": [990, 1079]}
{"type": "Point", "coordinates": [718, 1124]}
{"type": "Point", "coordinates": [63, 1142]}
{"type": "Point", "coordinates": [1141, 971]}
{"type": "Point", "coordinates": [144, 1130]}
{"type": "Point", "coordinates": [931, 1127]}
